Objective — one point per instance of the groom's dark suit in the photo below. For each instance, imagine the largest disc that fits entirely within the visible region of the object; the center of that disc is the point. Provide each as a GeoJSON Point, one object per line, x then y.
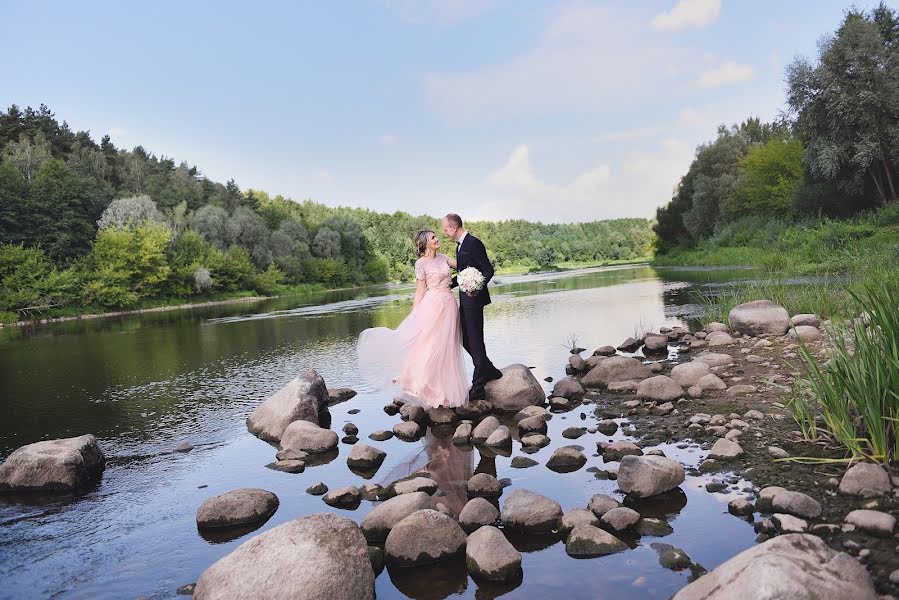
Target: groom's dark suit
{"type": "Point", "coordinates": [472, 253]}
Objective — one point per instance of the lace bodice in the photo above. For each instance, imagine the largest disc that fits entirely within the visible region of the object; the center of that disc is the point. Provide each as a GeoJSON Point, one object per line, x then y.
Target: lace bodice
{"type": "Point", "coordinates": [434, 271]}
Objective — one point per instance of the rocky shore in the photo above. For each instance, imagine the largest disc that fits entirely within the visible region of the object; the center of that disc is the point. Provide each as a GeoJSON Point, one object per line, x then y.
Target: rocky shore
{"type": "Point", "coordinates": [823, 530]}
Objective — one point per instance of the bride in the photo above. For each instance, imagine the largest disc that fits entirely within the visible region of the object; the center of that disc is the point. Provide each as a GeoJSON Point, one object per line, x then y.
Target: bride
{"type": "Point", "coordinates": [423, 356]}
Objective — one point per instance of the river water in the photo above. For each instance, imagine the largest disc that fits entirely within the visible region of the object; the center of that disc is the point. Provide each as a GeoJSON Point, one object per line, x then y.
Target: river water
{"type": "Point", "coordinates": [143, 384]}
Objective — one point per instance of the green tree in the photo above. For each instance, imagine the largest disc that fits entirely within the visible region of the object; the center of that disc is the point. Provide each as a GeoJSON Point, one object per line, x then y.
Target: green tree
{"type": "Point", "coordinates": [60, 209]}
{"type": "Point", "coordinates": [771, 175]}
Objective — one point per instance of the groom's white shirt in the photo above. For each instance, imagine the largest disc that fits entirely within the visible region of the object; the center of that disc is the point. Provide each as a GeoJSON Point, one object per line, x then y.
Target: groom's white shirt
{"type": "Point", "coordinates": [462, 239]}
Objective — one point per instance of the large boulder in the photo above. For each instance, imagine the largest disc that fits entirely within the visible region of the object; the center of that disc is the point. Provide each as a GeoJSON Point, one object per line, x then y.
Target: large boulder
{"type": "Point", "coordinates": [363, 456]}
{"type": "Point", "coordinates": [616, 368]}
{"type": "Point", "coordinates": [516, 389]}
{"type": "Point", "coordinates": [476, 513]}
{"type": "Point", "coordinates": [323, 555]}
{"type": "Point", "coordinates": [63, 465]}
{"type": "Point", "coordinates": [424, 537]}
{"type": "Point", "coordinates": [489, 555]}
{"type": "Point", "coordinates": [235, 508]}
{"type": "Point", "coordinates": [308, 437]}
{"type": "Point", "coordinates": [688, 374]}
{"type": "Point", "coordinates": [301, 399]}
{"type": "Point", "coordinates": [378, 523]}
{"type": "Point", "coordinates": [586, 541]}
{"type": "Point", "coordinates": [655, 344]}
{"type": "Point", "coordinates": [865, 479]}
{"type": "Point", "coordinates": [529, 512]}
{"type": "Point", "coordinates": [659, 389]}
{"type": "Point", "coordinates": [759, 317]}
{"type": "Point", "coordinates": [568, 387]}
{"type": "Point", "coordinates": [796, 565]}
{"type": "Point", "coordinates": [649, 475]}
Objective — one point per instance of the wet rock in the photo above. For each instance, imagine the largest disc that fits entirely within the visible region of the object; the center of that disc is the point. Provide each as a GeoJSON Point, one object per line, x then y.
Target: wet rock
{"type": "Point", "coordinates": [332, 562]}
{"type": "Point", "coordinates": [348, 497]}
{"type": "Point", "coordinates": [618, 450]}
{"type": "Point", "coordinates": [629, 345]}
{"type": "Point", "coordinates": [523, 462]}
{"type": "Point", "coordinates": [531, 425]}
{"type": "Point", "coordinates": [533, 411]}
{"type": "Point", "coordinates": [740, 507]}
{"type": "Point", "coordinates": [476, 513]}
{"type": "Point", "coordinates": [624, 386]}
{"type": "Point", "coordinates": [371, 491]}
{"type": "Point", "coordinates": [604, 351]}
{"type": "Point", "coordinates": [441, 416]}
{"type": "Point", "coordinates": [672, 558]}
{"type": "Point", "coordinates": [415, 484]}
{"type": "Point", "coordinates": [183, 447]}
{"type": "Point", "coordinates": [607, 427]}
{"type": "Point", "coordinates": [490, 556]}
{"type": "Point", "coordinates": [789, 523]}
{"type": "Point", "coordinates": [483, 485]}
{"type": "Point", "coordinates": [569, 387]}
{"type": "Point", "coordinates": [338, 395]}
{"type": "Point", "coordinates": [308, 437]}
{"type": "Point", "coordinates": [534, 440]}
{"type": "Point", "coordinates": [378, 523]}
{"type": "Point", "coordinates": [654, 527]}
{"type": "Point", "coordinates": [186, 590]}
{"type": "Point", "coordinates": [291, 455]}
{"type": "Point", "coordinates": [766, 496]}
{"type": "Point", "coordinates": [474, 409]}
{"type": "Point", "coordinates": [484, 429]}
{"type": "Point", "coordinates": [530, 512]}
{"type": "Point", "coordinates": [872, 521]}
{"type": "Point", "coordinates": [424, 537]}
{"type": "Point", "coordinates": [600, 504]}
{"type": "Point", "coordinates": [287, 466]}
{"type": "Point", "coordinates": [577, 516]}
{"type": "Point", "coordinates": [806, 333]}
{"type": "Point", "coordinates": [659, 389]}
{"type": "Point", "coordinates": [759, 317]}
{"type": "Point", "coordinates": [615, 369]}
{"type": "Point", "coordinates": [381, 435]}
{"type": "Point", "coordinates": [586, 541]}
{"type": "Point", "coordinates": [573, 433]}
{"type": "Point", "coordinates": [566, 460]}
{"type": "Point", "coordinates": [577, 363]}
{"type": "Point", "coordinates": [413, 412]}
{"type": "Point", "coordinates": [408, 431]}
{"type": "Point", "coordinates": [796, 503]}
{"type": "Point", "coordinates": [719, 338]}
{"type": "Point", "coordinates": [364, 456]}
{"type": "Point", "coordinates": [865, 479]}
{"type": "Point", "coordinates": [619, 519]}
{"type": "Point", "coordinates": [462, 435]}
{"type": "Point", "coordinates": [391, 409]}
{"type": "Point", "coordinates": [644, 476]}
{"type": "Point", "coordinates": [301, 399]}
{"type": "Point", "coordinates": [516, 389]}
{"type": "Point", "coordinates": [242, 506]}
{"type": "Point", "coordinates": [501, 437]}
{"type": "Point", "coordinates": [725, 450]}
{"type": "Point", "coordinates": [688, 374]}
{"type": "Point", "coordinates": [376, 557]}
{"type": "Point", "coordinates": [560, 404]}
{"type": "Point", "coordinates": [715, 486]}
{"type": "Point", "coordinates": [61, 465]}
{"type": "Point", "coordinates": [713, 359]}
{"type": "Point", "coordinates": [317, 489]}
{"type": "Point", "coordinates": [655, 344]}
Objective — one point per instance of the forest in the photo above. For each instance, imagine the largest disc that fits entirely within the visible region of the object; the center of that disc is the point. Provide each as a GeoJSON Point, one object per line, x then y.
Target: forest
{"type": "Point", "coordinates": [89, 226]}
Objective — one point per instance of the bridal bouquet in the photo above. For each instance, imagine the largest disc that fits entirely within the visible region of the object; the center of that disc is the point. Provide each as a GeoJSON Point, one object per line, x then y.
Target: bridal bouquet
{"type": "Point", "coordinates": [470, 280]}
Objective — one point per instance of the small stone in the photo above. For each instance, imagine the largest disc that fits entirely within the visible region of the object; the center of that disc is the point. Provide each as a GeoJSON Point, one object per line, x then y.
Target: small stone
{"type": "Point", "coordinates": [348, 497]}
{"type": "Point", "coordinates": [380, 435]}
{"type": "Point", "coordinates": [607, 427]}
{"type": "Point", "coordinates": [317, 489]}
{"type": "Point", "coordinates": [572, 433]}
{"type": "Point", "coordinates": [778, 452]}
{"type": "Point", "coordinates": [408, 431]}
{"type": "Point", "coordinates": [600, 504]}
{"type": "Point", "coordinates": [535, 440]}
{"type": "Point", "coordinates": [872, 521]}
{"type": "Point", "coordinates": [789, 523]}
{"type": "Point", "coordinates": [566, 460]}
{"type": "Point", "coordinates": [796, 503]}
{"type": "Point", "coordinates": [587, 541]}
{"type": "Point", "coordinates": [288, 466]}
{"type": "Point", "coordinates": [740, 507]}
{"type": "Point", "coordinates": [350, 429]}
{"type": "Point", "coordinates": [523, 462]}
{"type": "Point", "coordinates": [476, 513]}
{"type": "Point", "coordinates": [725, 450]}
{"type": "Point", "coordinates": [462, 435]}
{"type": "Point", "coordinates": [483, 485]}
{"type": "Point", "coordinates": [576, 516]}
{"type": "Point", "coordinates": [415, 484]}
{"type": "Point", "coordinates": [654, 527]}
{"type": "Point", "coordinates": [618, 450]}
{"type": "Point", "coordinates": [238, 507]}
{"type": "Point", "coordinates": [865, 479]}
{"type": "Point", "coordinates": [619, 519]}
{"type": "Point", "coordinates": [671, 557]}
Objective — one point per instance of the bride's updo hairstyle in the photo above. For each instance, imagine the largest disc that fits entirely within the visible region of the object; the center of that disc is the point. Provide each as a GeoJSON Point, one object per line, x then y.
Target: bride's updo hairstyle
{"type": "Point", "coordinates": [421, 241]}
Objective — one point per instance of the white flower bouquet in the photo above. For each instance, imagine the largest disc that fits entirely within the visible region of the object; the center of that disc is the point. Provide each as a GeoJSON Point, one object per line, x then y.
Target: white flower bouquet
{"type": "Point", "coordinates": [470, 280]}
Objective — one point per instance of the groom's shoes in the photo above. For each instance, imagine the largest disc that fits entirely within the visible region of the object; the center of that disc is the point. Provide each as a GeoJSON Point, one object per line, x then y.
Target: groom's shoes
{"type": "Point", "coordinates": [496, 375]}
{"type": "Point", "coordinates": [476, 394]}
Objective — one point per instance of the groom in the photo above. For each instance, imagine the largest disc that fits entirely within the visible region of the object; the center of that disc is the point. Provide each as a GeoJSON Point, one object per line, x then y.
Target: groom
{"type": "Point", "coordinates": [470, 252]}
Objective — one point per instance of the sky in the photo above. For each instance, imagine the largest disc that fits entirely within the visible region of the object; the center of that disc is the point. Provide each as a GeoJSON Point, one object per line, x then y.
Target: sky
{"type": "Point", "coordinates": [494, 109]}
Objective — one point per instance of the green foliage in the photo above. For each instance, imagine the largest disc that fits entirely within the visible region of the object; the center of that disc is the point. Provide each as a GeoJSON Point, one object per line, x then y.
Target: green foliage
{"type": "Point", "coordinates": [29, 278]}
{"type": "Point", "coordinates": [232, 270]}
{"type": "Point", "coordinates": [769, 179]}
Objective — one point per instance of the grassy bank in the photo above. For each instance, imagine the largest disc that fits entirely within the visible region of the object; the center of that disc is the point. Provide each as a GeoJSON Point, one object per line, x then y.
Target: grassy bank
{"type": "Point", "coordinates": [831, 259]}
{"type": "Point", "coordinates": [524, 269]}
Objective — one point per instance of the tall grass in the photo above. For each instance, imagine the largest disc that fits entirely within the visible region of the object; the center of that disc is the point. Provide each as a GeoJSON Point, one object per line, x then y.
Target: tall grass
{"type": "Point", "coordinates": [855, 397]}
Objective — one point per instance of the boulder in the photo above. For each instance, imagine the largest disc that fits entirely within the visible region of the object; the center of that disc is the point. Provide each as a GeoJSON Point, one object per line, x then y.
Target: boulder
{"type": "Point", "coordinates": [659, 389]}
{"type": "Point", "coordinates": [476, 513]}
{"type": "Point", "coordinates": [566, 460]}
{"type": "Point", "coordinates": [619, 519]}
{"type": "Point", "coordinates": [490, 556]}
{"type": "Point", "coordinates": [475, 409]}
{"type": "Point", "coordinates": [238, 507]}
{"type": "Point", "coordinates": [711, 382]}
{"type": "Point", "coordinates": [499, 438]}
{"type": "Point", "coordinates": [413, 412]}
{"type": "Point", "coordinates": [363, 456]}
{"type": "Point", "coordinates": [644, 476]}
{"type": "Point", "coordinates": [577, 516]}
{"type": "Point", "coordinates": [441, 416]}
{"type": "Point", "coordinates": [616, 368]}
{"type": "Point", "coordinates": [618, 450]}
{"type": "Point", "coordinates": [788, 566]}
{"type": "Point", "coordinates": [872, 521]}
{"type": "Point", "coordinates": [533, 411]}
{"type": "Point", "coordinates": [529, 512]}
{"type": "Point", "coordinates": [577, 363]}
{"type": "Point", "coordinates": [630, 345]}
{"type": "Point", "coordinates": [516, 389]}
{"type": "Point", "coordinates": [380, 435]}
{"type": "Point", "coordinates": [484, 429]}
{"type": "Point", "coordinates": [415, 484]}
{"type": "Point", "coordinates": [600, 504]}
{"type": "Point", "coordinates": [63, 465]}
{"type": "Point", "coordinates": [308, 437]}
{"type": "Point", "coordinates": [483, 485]}
{"type": "Point", "coordinates": [655, 344]}
{"type": "Point", "coordinates": [378, 523]}
{"type": "Point", "coordinates": [523, 462]}
{"type": "Point", "coordinates": [719, 338]}
{"type": "Point", "coordinates": [531, 425]}
{"type": "Point", "coordinates": [714, 359]}
{"type": "Point", "coordinates": [604, 351]}
{"type": "Point", "coordinates": [796, 503]}
{"type": "Point", "coordinates": [338, 395]}
{"type": "Point", "coordinates": [323, 555]}
{"type": "Point", "coordinates": [759, 317]}
{"type": "Point", "coordinates": [806, 333]}
{"type": "Point", "coordinates": [408, 431]}
{"type": "Point", "coordinates": [865, 479]}
{"type": "Point", "coordinates": [347, 497]}
{"type": "Point", "coordinates": [654, 527]}
{"type": "Point", "coordinates": [806, 319]}
{"type": "Point", "coordinates": [724, 449]}
{"type": "Point", "coordinates": [568, 387]}
{"type": "Point", "coordinates": [424, 537]}
{"type": "Point", "coordinates": [788, 523]}
{"type": "Point", "coordinates": [462, 435]}
{"type": "Point", "coordinates": [586, 541]}
{"type": "Point", "coordinates": [301, 399]}
{"type": "Point", "coordinates": [689, 374]}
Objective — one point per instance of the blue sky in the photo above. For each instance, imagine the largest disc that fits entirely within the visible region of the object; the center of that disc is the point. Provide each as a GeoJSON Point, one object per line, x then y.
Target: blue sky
{"type": "Point", "coordinates": [559, 112]}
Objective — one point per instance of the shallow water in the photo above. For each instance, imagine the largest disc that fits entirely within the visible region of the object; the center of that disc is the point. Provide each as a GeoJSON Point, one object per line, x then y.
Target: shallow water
{"type": "Point", "coordinates": [145, 383]}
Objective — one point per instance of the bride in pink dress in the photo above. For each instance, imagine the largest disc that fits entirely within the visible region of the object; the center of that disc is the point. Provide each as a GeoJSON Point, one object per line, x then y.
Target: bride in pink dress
{"type": "Point", "coordinates": [423, 356]}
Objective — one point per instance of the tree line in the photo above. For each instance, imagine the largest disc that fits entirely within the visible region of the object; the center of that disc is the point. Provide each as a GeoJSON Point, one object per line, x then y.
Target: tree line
{"type": "Point", "coordinates": [833, 154]}
{"type": "Point", "coordinates": [89, 224]}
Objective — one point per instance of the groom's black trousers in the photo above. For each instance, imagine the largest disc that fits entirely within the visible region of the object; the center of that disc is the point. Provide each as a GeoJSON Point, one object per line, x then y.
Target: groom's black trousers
{"type": "Point", "coordinates": [472, 321]}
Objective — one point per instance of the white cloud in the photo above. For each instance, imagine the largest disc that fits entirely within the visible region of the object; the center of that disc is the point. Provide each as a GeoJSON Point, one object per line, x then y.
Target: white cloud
{"type": "Point", "coordinates": [590, 58]}
{"type": "Point", "coordinates": [725, 74]}
{"type": "Point", "coordinates": [442, 12]}
{"type": "Point", "coordinates": [388, 139]}
{"type": "Point", "coordinates": [688, 13]}
{"type": "Point", "coordinates": [118, 132]}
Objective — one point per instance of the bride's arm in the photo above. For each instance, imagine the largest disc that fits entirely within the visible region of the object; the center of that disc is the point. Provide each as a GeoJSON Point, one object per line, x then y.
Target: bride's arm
{"type": "Point", "coordinates": [419, 293]}
{"type": "Point", "coordinates": [451, 261]}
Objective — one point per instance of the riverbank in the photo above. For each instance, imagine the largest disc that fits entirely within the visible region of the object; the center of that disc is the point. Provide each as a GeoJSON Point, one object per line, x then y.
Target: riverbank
{"type": "Point", "coordinates": [569, 266]}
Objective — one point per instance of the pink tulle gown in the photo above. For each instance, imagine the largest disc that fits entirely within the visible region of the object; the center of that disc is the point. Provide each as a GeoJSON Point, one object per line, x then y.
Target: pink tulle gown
{"type": "Point", "coordinates": [423, 356]}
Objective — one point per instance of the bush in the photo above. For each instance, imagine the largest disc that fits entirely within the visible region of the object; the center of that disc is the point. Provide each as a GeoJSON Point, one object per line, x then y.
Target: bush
{"type": "Point", "coordinates": [232, 270]}
{"type": "Point", "coordinates": [29, 278]}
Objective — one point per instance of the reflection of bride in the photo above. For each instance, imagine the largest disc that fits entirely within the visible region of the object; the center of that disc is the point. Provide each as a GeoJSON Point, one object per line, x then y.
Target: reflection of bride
{"type": "Point", "coordinates": [449, 466]}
